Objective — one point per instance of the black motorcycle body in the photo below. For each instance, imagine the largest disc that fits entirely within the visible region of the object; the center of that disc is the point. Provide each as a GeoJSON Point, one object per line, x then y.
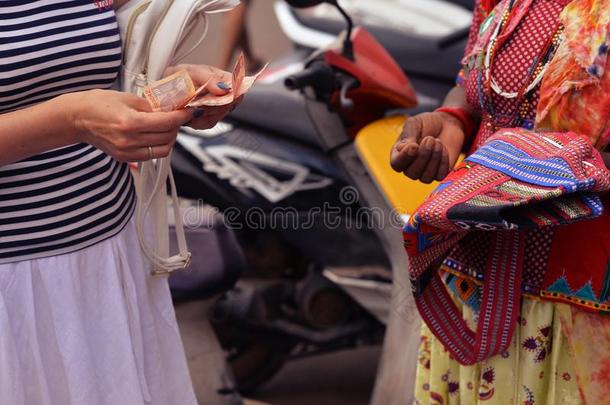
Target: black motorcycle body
{"type": "Point", "coordinates": [278, 185]}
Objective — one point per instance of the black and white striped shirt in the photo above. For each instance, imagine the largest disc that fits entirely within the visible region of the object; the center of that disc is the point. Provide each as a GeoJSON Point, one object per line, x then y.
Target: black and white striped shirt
{"type": "Point", "coordinates": [72, 197]}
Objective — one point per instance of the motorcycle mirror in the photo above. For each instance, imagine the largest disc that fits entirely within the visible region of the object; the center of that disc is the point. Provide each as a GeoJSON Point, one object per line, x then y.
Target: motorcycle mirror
{"type": "Point", "coordinates": [307, 3]}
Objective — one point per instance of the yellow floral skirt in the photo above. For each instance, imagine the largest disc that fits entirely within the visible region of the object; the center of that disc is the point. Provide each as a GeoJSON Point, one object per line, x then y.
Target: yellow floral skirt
{"type": "Point", "coordinates": [559, 356]}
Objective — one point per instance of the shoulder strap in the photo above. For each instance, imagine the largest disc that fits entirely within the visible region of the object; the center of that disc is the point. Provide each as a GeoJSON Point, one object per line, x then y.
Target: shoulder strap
{"type": "Point", "coordinates": [152, 208]}
{"type": "Point", "coordinates": [500, 303]}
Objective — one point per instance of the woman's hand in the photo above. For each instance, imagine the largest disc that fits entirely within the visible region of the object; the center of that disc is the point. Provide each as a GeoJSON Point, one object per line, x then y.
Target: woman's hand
{"type": "Point", "coordinates": [208, 116]}
{"type": "Point", "coordinates": [219, 84]}
{"type": "Point", "coordinates": [428, 147]}
{"type": "Point", "coordinates": [123, 125]}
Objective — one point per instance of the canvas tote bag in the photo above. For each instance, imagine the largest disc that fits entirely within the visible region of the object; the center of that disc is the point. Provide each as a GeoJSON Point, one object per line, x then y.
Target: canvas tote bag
{"type": "Point", "coordinates": [153, 32]}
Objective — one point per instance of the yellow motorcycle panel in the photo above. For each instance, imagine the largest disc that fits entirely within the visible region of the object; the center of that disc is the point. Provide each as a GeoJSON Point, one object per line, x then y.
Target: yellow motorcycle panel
{"type": "Point", "coordinates": [374, 144]}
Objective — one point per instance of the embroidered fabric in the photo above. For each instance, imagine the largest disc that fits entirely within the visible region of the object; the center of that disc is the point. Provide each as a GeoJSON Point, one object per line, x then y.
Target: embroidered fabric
{"type": "Point", "coordinates": [517, 183]}
{"type": "Point", "coordinates": [567, 264]}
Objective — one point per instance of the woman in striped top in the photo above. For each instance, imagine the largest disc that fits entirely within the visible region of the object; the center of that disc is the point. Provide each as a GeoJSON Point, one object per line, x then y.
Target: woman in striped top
{"type": "Point", "coordinates": [81, 319]}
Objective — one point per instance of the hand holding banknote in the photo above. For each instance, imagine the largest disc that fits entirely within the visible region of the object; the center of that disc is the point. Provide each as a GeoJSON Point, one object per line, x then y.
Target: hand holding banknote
{"type": "Point", "coordinates": [122, 124]}
{"type": "Point", "coordinates": [212, 92]}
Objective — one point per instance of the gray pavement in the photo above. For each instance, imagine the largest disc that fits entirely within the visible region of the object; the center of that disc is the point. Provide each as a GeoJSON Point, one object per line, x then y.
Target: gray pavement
{"type": "Point", "coordinates": [338, 378]}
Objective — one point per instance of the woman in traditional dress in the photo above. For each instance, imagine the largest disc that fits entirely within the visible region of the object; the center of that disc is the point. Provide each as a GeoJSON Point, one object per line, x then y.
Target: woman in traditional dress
{"type": "Point", "coordinates": [540, 65]}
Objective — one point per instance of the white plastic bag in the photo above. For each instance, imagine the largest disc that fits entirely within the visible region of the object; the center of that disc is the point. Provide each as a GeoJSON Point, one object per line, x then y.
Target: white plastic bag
{"type": "Point", "coordinates": [152, 31]}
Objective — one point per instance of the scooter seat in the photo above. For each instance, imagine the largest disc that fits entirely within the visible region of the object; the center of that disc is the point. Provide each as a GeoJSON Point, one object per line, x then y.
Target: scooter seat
{"type": "Point", "coordinates": [274, 108]}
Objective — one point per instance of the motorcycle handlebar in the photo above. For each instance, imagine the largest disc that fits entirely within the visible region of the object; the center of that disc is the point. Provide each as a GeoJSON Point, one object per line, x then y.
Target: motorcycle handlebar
{"type": "Point", "coordinates": [317, 73]}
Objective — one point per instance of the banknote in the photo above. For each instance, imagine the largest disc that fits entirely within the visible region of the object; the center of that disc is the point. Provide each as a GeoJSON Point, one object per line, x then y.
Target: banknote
{"type": "Point", "coordinates": [239, 86]}
{"type": "Point", "coordinates": [170, 93]}
{"type": "Point", "coordinates": [178, 90]}
{"type": "Point", "coordinates": [249, 82]}
{"type": "Point", "coordinates": [212, 100]}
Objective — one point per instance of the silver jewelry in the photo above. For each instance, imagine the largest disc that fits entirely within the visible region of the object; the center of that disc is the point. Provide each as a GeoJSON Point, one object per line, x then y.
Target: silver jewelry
{"type": "Point", "coordinates": [487, 69]}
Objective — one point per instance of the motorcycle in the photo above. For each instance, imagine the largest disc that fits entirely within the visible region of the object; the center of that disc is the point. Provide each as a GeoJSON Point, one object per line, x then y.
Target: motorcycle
{"type": "Point", "coordinates": [427, 45]}
{"type": "Point", "coordinates": [302, 178]}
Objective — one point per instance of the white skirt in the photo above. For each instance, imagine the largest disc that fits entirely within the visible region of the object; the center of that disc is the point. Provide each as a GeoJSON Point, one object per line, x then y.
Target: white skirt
{"type": "Point", "coordinates": [91, 327]}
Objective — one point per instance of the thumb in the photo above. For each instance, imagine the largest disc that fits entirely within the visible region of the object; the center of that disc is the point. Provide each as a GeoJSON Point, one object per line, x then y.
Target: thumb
{"type": "Point", "coordinates": [406, 148]}
{"type": "Point", "coordinates": [219, 88]}
{"type": "Point", "coordinates": [412, 131]}
{"type": "Point", "coordinates": [137, 103]}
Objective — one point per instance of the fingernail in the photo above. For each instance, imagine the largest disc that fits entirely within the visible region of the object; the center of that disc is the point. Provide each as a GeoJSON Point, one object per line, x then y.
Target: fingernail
{"type": "Point", "coordinates": [198, 113]}
{"type": "Point", "coordinates": [400, 146]}
{"type": "Point", "coordinates": [223, 86]}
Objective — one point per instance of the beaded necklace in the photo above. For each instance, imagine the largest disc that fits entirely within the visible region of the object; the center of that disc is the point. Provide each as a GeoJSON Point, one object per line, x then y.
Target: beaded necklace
{"type": "Point", "coordinates": [486, 83]}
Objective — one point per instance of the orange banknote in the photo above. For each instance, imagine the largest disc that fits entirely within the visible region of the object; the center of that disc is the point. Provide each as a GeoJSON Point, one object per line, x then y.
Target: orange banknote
{"type": "Point", "coordinates": [178, 90]}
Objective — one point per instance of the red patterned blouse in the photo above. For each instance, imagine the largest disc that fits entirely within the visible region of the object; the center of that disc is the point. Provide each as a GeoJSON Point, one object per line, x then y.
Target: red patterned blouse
{"type": "Point", "coordinates": [568, 264]}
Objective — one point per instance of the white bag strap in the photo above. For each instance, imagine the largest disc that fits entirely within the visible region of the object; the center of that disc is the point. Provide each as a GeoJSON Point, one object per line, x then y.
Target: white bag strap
{"type": "Point", "coordinates": [215, 6]}
{"type": "Point", "coordinates": [181, 18]}
{"type": "Point", "coordinates": [152, 205]}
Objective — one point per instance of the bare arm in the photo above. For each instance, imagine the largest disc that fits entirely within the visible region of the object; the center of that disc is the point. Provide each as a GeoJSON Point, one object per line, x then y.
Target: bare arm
{"type": "Point", "coordinates": [431, 142]}
{"type": "Point", "coordinates": [30, 131]}
{"type": "Point", "coordinates": [120, 124]}
{"type": "Point", "coordinates": [606, 156]}
{"type": "Point", "coordinates": [234, 31]}
{"type": "Point", "coordinates": [457, 98]}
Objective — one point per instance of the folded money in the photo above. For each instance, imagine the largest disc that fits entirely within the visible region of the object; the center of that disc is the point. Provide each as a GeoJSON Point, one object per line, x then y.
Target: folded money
{"type": "Point", "coordinates": [178, 90]}
{"type": "Point", "coordinates": [238, 89]}
{"type": "Point", "coordinates": [171, 92]}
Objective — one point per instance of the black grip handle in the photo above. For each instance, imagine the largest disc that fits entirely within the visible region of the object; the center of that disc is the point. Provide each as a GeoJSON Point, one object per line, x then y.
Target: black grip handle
{"type": "Point", "coordinates": [315, 74]}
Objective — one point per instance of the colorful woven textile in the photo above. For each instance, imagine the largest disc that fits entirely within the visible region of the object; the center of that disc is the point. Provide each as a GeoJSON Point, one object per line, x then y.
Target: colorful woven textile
{"type": "Point", "coordinates": [517, 184]}
{"type": "Point", "coordinates": [571, 263]}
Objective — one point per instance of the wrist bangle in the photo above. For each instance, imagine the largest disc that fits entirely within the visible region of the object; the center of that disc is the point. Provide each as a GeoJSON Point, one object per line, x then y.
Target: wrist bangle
{"type": "Point", "coordinates": [464, 117]}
